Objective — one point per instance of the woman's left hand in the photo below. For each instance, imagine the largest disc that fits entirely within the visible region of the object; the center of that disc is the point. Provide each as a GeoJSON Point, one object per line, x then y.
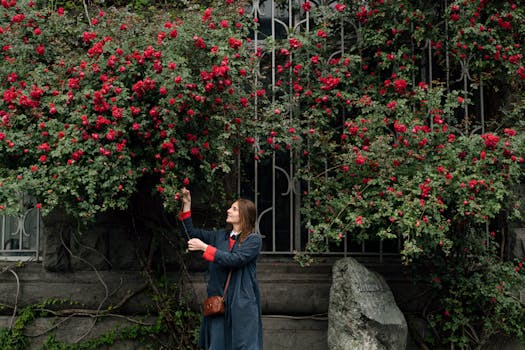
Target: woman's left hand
{"type": "Point", "coordinates": [196, 244]}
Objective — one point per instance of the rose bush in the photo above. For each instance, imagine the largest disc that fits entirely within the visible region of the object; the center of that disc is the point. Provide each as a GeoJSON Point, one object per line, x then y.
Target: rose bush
{"type": "Point", "coordinates": [385, 149]}
{"type": "Point", "coordinates": [387, 156]}
{"type": "Point", "coordinates": [385, 153]}
{"type": "Point", "coordinates": [171, 103]}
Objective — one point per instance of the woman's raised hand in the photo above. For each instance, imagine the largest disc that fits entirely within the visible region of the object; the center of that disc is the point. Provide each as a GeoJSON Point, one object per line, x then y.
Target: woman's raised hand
{"type": "Point", "coordinates": [186, 199]}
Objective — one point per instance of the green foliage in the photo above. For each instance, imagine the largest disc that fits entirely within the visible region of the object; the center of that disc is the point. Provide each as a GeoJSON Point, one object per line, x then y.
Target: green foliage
{"type": "Point", "coordinates": [388, 157]}
{"type": "Point", "coordinates": [130, 103]}
{"type": "Point", "coordinates": [135, 332]}
{"type": "Point", "coordinates": [475, 296]}
{"type": "Point", "coordinates": [14, 339]}
{"type": "Point", "coordinates": [185, 319]}
{"type": "Point", "coordinates": [138, 5]}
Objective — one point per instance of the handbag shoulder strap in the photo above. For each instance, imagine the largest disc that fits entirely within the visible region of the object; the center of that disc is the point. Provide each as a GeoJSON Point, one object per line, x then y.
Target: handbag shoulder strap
{"type": "Point", "coordinates": [227, 283]}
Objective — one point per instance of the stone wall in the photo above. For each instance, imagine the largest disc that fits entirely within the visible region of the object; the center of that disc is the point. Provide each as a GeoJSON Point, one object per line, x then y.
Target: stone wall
{"type": "Point", "coordinates": [97, 267]}
{"type": "Point", "coordinates": [294, 299]}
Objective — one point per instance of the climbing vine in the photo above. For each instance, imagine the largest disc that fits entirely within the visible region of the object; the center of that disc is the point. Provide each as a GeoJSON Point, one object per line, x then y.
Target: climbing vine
{"type": "Point", "coordinates": [173, 324]}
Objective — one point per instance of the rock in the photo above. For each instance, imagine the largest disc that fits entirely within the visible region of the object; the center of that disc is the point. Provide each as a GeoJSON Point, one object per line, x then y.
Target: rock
{"type": "Point", "coordinates": [56, 233]}
{"type": "Point", "coordinates": [362, 312]}
{"type": "Point", "coordinates": [89, 249]}
{"type": "Point", "coordinates": [517, 243]}
{"type": "Point", "coordinates": [104, 245]}
{"type": "Point", "coordinates": [122, 247]}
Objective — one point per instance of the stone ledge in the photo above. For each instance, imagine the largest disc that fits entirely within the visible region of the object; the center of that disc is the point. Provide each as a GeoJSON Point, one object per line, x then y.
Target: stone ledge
{"type": "Point", "coordinates": [283, 332]}
{"type": "Point", "coordinates": [279, 332]}
{"type": "Point", "coordinates": [286, 288]}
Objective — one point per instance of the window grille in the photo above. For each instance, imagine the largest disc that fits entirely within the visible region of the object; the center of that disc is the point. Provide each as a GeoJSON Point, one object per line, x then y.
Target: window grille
{"type": "Point", "coordinates": [272, 183]}
{"type": "Point", "coordinates": [21, 235]}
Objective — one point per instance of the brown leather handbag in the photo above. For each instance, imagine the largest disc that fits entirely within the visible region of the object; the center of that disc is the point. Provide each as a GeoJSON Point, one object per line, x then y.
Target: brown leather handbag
{"type": "Point", "coordinates": [214, 305]}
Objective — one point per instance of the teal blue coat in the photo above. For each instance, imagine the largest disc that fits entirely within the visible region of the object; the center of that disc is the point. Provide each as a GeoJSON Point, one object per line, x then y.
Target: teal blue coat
{"type": "Point", "coordinates": [240, 328]}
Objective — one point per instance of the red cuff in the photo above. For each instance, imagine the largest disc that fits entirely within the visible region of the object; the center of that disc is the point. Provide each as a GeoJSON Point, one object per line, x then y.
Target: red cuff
{"type": "Point", "coordinates": [185, 215]}
{"type": "Point", "coordinates": [209, 253]}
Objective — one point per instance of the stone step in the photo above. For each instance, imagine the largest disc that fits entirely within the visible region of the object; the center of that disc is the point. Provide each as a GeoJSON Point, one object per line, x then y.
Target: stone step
{"type": "Point", "coordinates": [294, 333]}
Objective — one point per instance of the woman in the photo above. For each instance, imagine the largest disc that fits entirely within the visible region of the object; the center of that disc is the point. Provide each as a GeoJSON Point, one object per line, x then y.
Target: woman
{"type": "Point", "coordinates": [240, 327]}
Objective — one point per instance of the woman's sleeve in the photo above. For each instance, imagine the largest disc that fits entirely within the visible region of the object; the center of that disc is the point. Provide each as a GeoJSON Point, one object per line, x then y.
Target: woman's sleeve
{"type": "Point", "coordinates": [207, 237]}
{"type": "Point", "coordinates": [243, 254]}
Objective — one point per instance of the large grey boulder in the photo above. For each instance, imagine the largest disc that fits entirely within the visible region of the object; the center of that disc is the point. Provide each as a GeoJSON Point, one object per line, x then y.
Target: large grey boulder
{"type": "Point", "coordinates": [362, 312]}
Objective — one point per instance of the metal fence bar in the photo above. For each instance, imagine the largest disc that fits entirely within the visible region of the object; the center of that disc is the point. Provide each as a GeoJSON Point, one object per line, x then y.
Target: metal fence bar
{"type": "Point", "coordinates": [3, 231]}
{"type": "Point", "coordinates": [274, 234]}
{"type": "Point", "coordinates": [38, 219]}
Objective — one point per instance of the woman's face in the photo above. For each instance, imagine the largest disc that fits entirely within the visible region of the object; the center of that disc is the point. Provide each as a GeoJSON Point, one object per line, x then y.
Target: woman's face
{"type": "Point", "coordinates": [233, 214]}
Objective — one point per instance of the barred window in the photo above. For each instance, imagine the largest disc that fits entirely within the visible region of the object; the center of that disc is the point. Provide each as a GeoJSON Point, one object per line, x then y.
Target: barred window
{"type": "Point", "coordinates": [21, 236]}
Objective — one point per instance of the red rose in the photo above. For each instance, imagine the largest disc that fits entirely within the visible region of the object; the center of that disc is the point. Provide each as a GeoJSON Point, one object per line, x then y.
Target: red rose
{"type": "Point", "coordinates": [307, 6]}
{"type": "Point", "coordinates": [295, 43]}
{"type": "Point", "coordinates": [234, 43]}
{"type": "Point", "coordinates": [340, 7]}
{"type": "Point", "coordinates": [400, 85]}
{"type": "Point", "coordinates": [491, 140]}
{"type": "Point", "coordinates": [40, 49]}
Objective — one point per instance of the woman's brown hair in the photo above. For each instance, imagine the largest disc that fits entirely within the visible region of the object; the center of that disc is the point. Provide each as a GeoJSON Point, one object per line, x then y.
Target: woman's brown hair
{"type": "Point", "coordinates": [247, 217]}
